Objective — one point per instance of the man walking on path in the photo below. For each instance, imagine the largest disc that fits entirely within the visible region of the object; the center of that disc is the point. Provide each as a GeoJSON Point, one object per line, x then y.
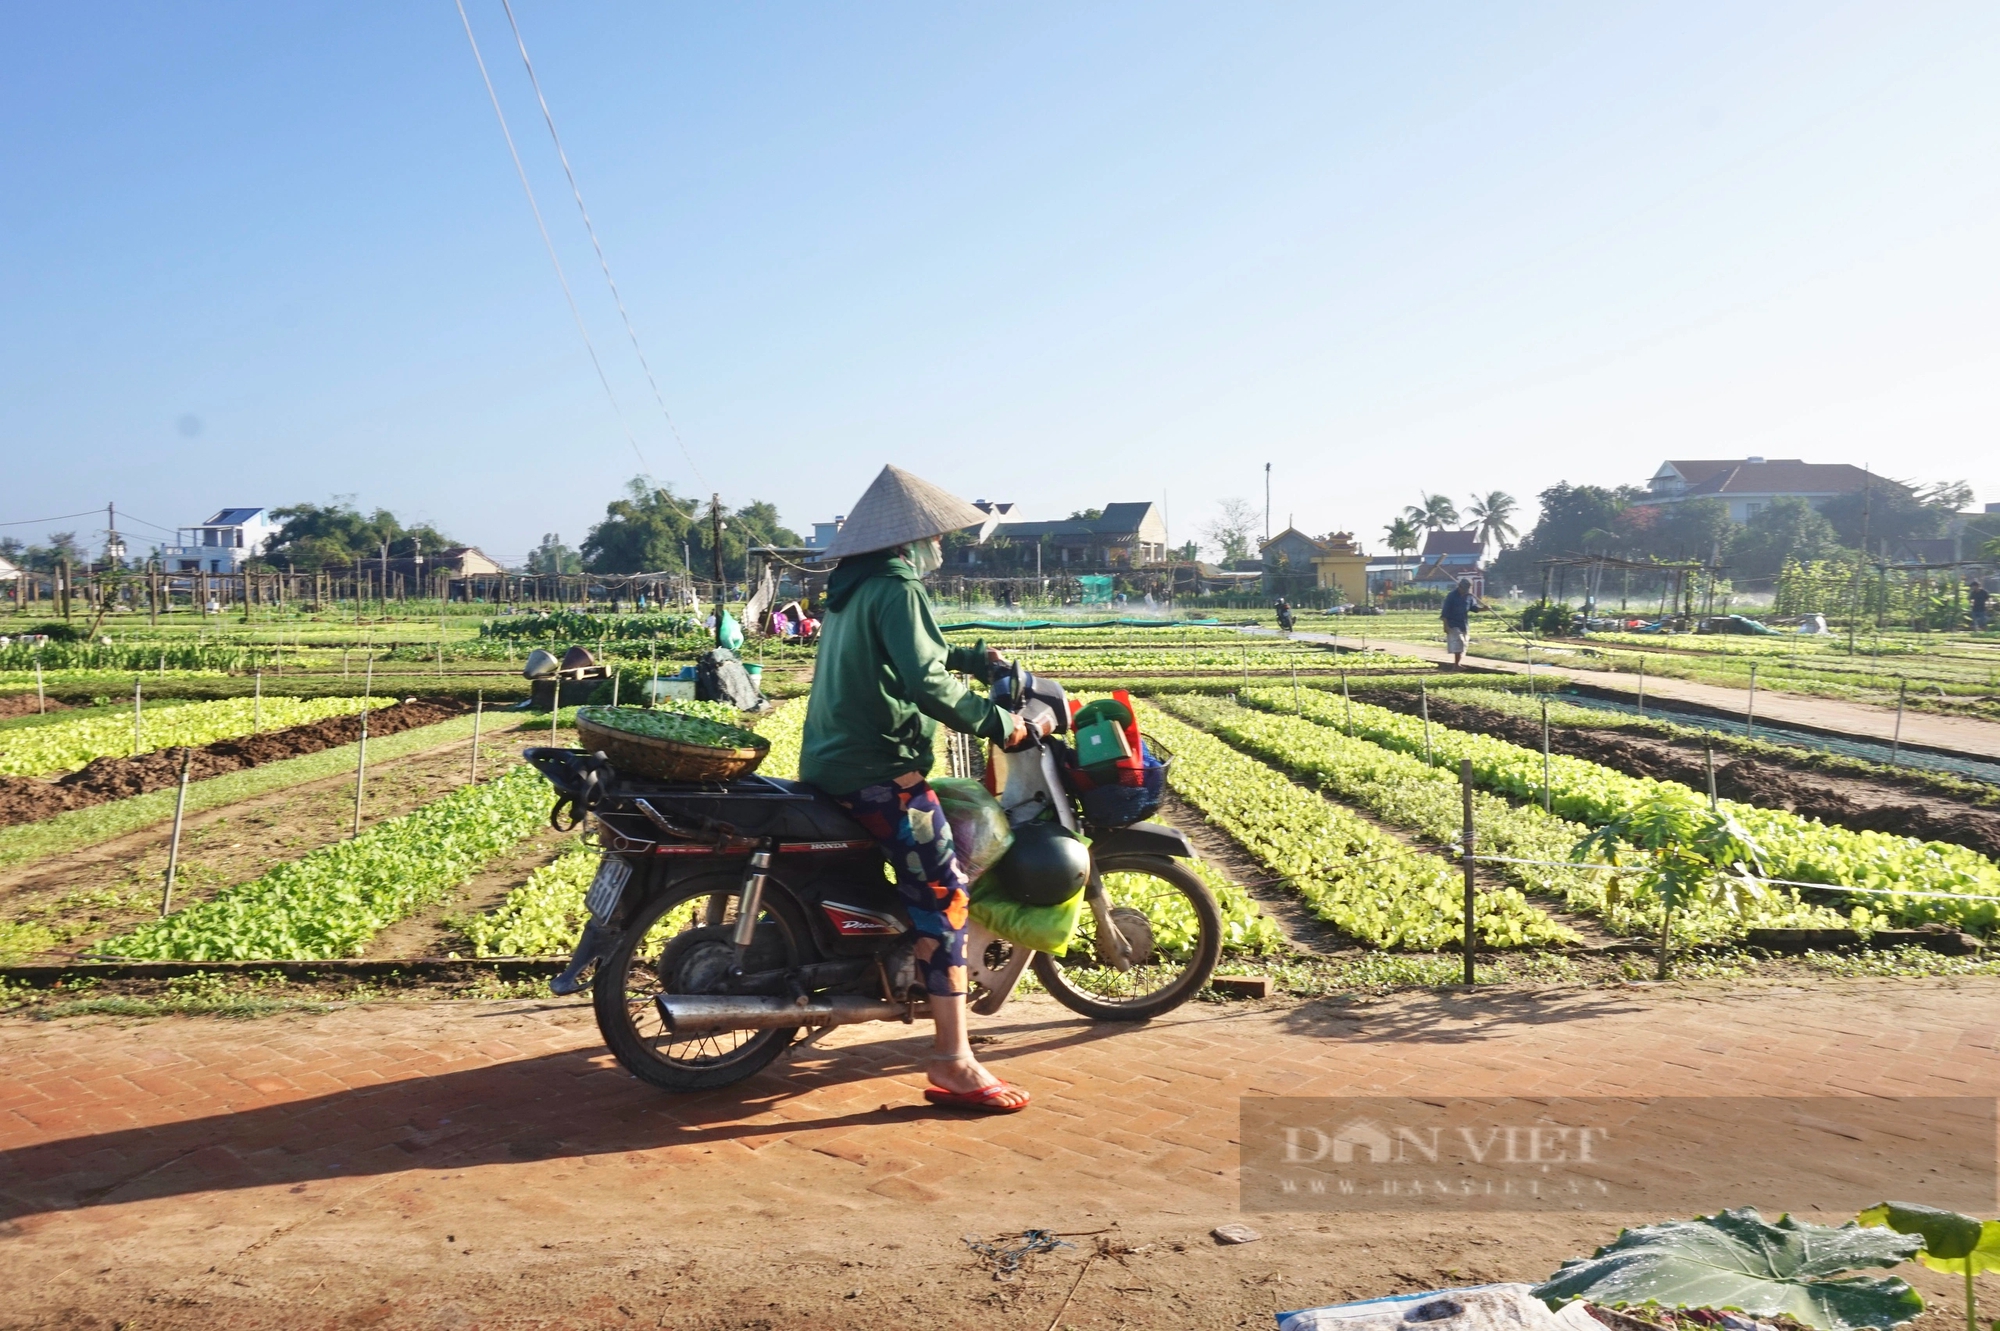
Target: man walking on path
{"type": "Point", "coordinates": [1457, 616]}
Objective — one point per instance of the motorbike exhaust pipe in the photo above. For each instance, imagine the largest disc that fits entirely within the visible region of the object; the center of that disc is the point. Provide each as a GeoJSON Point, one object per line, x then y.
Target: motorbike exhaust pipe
{"type": "Point", "coordinates": [700, 1014]}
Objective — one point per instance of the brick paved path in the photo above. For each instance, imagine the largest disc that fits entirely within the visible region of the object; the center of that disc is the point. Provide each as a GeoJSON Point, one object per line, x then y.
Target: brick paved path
{"type": "Point", "coordinates": [486, 1164]}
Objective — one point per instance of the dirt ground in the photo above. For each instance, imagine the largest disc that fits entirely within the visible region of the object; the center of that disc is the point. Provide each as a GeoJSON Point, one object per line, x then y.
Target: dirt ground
{"type": "Point", "coordinates": [27, 800]}
{"type": "Point", "coordinates": [26, 704]}
{"type": "Point", "coordinates": [485, 1164]}
{"type": "Point", "coordinates": [1844, 801]}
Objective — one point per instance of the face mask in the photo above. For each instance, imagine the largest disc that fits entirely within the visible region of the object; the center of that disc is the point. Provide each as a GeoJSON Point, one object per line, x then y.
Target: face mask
{"type": "Point", "coordinates": [926, 557]}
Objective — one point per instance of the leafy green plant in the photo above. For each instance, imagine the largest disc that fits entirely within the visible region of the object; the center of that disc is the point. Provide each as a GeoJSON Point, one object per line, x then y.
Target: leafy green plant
{"type": "Point", "coordinates": [543, 916]}
{"type": "Point", "coordinates": [1400, 789]}
{"type": "Point", "coordinates": [1741, 1261]}
{"type": "Point", "coordinates": [330, 902]}
{"type": "Point", "coordinates": [1351, 874]}
{"type": "Point", "coordinates": [681, 727]}
{"type": "Point", "coordinates": [66, 746]}
{"type": "Point", "coordinates": [1685, 847]}
{"type": "Point", "coordinates": [1793, 847]}
{"type": "Point", "coordinates": [1952, 1242]}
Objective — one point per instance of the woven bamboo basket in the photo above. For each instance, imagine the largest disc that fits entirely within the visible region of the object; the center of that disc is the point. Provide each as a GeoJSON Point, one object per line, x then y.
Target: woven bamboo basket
{"type": "Point", "coordinates": [666, 760]}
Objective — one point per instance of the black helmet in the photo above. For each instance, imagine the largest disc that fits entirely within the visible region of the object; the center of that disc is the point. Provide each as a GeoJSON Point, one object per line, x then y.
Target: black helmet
{"type": "Point", "coordinates": [1045, 866]}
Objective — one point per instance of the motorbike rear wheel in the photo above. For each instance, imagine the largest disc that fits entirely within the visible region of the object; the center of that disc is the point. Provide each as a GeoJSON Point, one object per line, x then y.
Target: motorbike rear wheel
{"type": "Point", "coordinates": [1167, 916]}
{"type": "Point", "coordinates": [675, 945]}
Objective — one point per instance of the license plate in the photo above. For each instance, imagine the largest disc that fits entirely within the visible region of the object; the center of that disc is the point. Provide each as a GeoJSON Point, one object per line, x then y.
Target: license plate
{"type": "Point", "coordinates": [606, 888]}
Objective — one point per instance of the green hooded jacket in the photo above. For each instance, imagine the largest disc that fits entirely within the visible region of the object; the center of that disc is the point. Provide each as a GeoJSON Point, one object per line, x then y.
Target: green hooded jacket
{"type": "Point", "coordinates": [882, 679]}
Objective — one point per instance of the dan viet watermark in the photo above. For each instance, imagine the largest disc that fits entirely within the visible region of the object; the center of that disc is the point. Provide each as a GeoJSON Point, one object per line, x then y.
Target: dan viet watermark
{"type": "Point", "coordinates": [1688, 1153]}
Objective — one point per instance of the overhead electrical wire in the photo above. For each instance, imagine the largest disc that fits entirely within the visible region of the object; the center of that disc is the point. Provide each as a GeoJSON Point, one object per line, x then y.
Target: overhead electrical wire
{"type": "Point", "coordinates": [549, 119]}
{"type": "Point", "coordinates": [61, 517]}
{"type": "Point", "coordinates": [542, 226]}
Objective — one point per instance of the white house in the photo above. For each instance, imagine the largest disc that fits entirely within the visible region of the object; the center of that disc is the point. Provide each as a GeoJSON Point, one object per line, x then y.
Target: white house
{"type": "Point", "coordinates": [222, 544]}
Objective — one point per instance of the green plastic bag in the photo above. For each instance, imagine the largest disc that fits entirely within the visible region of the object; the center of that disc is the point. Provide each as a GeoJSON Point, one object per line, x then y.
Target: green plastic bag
{"type": "Point", "coordinates": [1043, 928]}
{"type": "Point", "coordinates": [731, 635]}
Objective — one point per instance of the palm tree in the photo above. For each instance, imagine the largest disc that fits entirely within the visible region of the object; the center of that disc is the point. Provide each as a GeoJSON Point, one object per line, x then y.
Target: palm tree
{"type": "Point", "coordinates": [1492, 515]}
{"type": "Point", "coordinates": [1436, 512]}
{"type": "Point", "coordinates": [1402, 534]}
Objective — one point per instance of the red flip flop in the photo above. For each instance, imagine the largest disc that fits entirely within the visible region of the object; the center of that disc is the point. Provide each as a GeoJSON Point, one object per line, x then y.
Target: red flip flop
{"type": "Point", "coordinates": [999, 1098]}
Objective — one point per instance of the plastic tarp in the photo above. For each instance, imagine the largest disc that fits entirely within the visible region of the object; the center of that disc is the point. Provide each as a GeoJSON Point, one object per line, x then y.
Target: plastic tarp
{"type": "Point", "coordinates": [1507, 1307]}
{"type": "Point", "coordinates": [1018, 625]}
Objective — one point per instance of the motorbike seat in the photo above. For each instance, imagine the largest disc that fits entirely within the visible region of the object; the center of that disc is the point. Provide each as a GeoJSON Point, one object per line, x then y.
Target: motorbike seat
{"type": "Point", "coordinates": [766, 807]}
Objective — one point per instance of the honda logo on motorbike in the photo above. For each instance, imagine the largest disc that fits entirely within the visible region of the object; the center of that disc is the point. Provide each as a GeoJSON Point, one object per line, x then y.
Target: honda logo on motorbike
{"type": "Point", "coordinates": [854, 922]}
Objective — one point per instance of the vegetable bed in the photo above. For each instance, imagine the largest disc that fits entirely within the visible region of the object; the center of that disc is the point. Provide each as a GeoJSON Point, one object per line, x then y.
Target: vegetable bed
{"type": "Point", "coordinates": [1795, 848]}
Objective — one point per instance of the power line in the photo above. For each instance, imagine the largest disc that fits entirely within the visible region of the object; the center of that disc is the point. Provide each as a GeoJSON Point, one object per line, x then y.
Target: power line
{"type": "Point", "coordinates": [549, 119]}
{"type": "Point", "coordinates": [60, 517]}
{"type": "Point", "coordinates": [542, 226]}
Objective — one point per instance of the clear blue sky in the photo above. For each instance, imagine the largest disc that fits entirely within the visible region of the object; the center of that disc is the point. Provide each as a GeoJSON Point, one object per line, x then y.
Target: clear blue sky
{"type": "Point", "coordinates": [1061, 254]}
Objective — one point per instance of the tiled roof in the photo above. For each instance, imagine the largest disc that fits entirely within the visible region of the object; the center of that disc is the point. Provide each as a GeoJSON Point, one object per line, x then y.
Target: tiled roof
{"type": "Point", "coordinates": [1783, 476]}
{"type": "Point", "coordinates": [1451, 543]}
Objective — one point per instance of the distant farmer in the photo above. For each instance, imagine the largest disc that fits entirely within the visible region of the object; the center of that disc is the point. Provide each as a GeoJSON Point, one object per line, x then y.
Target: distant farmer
{"type": "Point", "coordinates": [1979, 596]}
{"type": "Point", "coordinates": [1459, 604]}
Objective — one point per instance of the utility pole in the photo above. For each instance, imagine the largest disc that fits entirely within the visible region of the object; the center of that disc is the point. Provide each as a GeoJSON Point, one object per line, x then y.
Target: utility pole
{"type": "Point", "coordinates": [1267, 503]}
{"type": "Point", "coordinates": [716, 524]}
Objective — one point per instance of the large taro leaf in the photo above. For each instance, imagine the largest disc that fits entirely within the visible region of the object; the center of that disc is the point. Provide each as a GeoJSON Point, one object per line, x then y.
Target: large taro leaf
{"type": "Point", "coordinates": [1952, 1242]}
{"type": "Point", "coordinates": [1740, 1260]}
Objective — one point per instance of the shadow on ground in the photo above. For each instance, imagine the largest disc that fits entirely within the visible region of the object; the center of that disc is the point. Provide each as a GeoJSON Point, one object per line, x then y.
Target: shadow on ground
{"type": "Point", "coordinates": [1452, 1016]}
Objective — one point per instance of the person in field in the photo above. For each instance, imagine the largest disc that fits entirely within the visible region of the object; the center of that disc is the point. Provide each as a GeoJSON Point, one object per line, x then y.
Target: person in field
{"type": "Point", "coordinates": [1459, 603]}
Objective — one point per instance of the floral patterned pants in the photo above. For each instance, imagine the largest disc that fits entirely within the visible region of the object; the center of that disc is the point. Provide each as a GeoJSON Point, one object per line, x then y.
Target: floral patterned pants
{"type": "Point", "coordinates": [910, 826]}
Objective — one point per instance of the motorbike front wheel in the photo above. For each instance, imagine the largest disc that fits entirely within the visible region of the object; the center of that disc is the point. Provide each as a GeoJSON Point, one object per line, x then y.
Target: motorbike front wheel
{"type": "Point", "coordinates": [680, 943]}
{"type": "Point", "coordinates": [1168, 919]}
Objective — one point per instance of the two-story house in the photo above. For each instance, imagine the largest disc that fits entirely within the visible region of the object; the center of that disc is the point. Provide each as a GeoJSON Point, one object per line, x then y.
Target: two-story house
{"type": "Point", "coordinates": [222, 544]}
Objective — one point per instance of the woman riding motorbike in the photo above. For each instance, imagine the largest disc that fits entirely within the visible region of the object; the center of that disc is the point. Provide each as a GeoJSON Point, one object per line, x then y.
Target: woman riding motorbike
{"type": "Point", "coordinates": [881, 682]}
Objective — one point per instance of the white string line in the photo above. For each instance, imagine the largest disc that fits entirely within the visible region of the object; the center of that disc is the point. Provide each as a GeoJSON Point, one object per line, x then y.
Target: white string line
{"type": "Point", "coordinates": [542, 226]}
{"type": "Point", "coordinates": [549, 119]}
{"type": "Point", "coordinates": [1745, 878]}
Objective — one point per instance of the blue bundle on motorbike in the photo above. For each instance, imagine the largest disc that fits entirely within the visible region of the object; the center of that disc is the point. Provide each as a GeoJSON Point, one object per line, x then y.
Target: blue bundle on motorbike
{"type": "Point", "coordinates": [1119, 779]}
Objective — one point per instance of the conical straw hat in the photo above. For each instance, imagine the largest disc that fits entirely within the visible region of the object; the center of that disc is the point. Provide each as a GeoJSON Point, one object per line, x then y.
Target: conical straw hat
{"type": "Point", "coordinates": [899, 508]}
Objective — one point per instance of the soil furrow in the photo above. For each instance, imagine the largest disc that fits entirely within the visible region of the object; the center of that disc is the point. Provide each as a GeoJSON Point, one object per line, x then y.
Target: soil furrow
{"type": "Point", "coordinates": [26, 799]}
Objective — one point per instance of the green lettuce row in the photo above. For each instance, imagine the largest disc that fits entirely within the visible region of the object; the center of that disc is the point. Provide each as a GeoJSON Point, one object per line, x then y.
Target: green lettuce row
{"type": "Point", "coordinates": [65, 746]}
{"type": "Point", "coordinates": [1401, 791]}
{"type": "Point", "coordinates": [1357, 878]}
{"type": "Point", "coordinates": [1798, 848]}
{"type": "Point", "coordinates": [330, 902]}
{"type": "Point", "coordinates": [541, 918]}
{"type": "Point", "coordinates": [785, 728]}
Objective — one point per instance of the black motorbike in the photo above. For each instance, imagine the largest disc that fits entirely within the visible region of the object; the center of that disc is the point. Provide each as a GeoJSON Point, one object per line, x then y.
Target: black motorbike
{"type": "Point", "coordinates": [731, 921]}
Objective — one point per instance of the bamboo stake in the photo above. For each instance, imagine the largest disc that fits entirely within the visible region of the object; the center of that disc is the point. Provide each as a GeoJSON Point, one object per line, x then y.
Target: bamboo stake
{"type": "Point", "coordinates": [1750, 713]}
{"type": "Point", "coordinates": [1642, 684]}
{"type": "Point", "coordinates": [1471, 889]}
{"type": "Point", "coordinates": [136, 730]}
{"type": "Point", "coordinates": [478, 709]}
{"type": "Point", "coordinates": [257, 707]}
{"type": "Point", "coordinates": [1708, 762]}
{"type": "Point", "coordinates": [360, 772]}
{"type": "Point", "coordinates": [1546, 795]}
{"type": "Point", "coordinates": [1896, 744]}
{"type": "Point", "coordinates": [1424, 699]}
{"type": "Point", "coordinates": [174, 846]}
{"type": "Point", "coordinates": [1347, 704]}
{"type": "Point", "coordinates": [41, 699]}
